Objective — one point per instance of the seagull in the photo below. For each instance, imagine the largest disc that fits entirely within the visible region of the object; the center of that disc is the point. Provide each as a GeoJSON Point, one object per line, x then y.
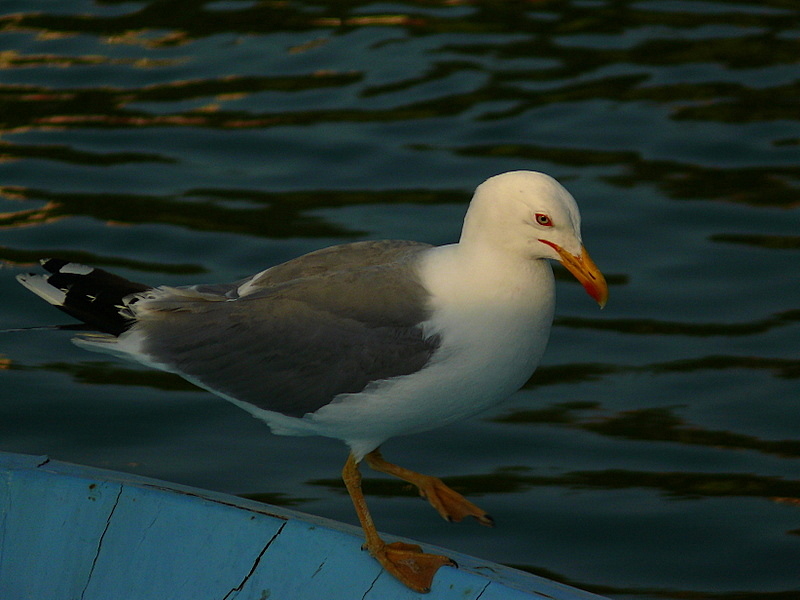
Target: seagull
{"type": "Point", "coordinates": [360, 342]}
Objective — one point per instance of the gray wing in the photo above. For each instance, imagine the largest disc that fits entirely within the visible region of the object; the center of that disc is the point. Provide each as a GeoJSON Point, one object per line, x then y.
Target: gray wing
{"type": "Point", "coordinates": [325, 324]}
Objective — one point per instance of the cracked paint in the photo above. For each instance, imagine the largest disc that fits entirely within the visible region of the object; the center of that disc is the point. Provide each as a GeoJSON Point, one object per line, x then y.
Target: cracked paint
{"type": "Point", "coordinates": [371, 585]}
{"type": "Point", "coordinates": [478, 597]}
{"type": "Point", "coordinates": [319, 568]}
{"type": "Point", "coordinates": [100, 541]}
{"type": "Point", "coordinates": [253, 568]}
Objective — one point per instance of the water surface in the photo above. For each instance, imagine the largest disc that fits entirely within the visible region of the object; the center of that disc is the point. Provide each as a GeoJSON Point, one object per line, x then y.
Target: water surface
{"type": "Point", "coordinates": [655, 454]}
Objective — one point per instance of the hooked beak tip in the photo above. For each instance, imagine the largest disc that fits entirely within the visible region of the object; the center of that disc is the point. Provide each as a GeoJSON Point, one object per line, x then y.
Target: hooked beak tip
{"type": "Point", "coordinates": [585, 271]}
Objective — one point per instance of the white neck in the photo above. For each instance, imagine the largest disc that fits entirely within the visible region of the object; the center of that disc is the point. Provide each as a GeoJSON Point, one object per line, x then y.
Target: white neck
{"type": "Point", "coordinates": [475, 273]}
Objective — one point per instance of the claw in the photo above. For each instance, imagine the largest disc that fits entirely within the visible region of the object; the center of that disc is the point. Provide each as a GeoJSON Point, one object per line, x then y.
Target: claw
{"type": "Point", "coordinates": [409, 564]}
{"type": "Point", "coordinates": [451, 505]}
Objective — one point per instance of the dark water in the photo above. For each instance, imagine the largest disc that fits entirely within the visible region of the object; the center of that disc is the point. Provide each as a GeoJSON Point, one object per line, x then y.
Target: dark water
{"type": "Point", "coordinates": [656, 454]}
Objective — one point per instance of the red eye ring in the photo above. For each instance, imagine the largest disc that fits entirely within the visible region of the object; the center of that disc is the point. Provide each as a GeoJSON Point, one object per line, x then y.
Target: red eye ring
{"type": "Point", "coordinates": [543, 220]}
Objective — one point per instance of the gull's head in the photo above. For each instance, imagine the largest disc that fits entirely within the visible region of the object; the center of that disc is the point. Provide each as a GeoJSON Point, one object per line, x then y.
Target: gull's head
{"type": "Point", "coordinates": [531, 215]}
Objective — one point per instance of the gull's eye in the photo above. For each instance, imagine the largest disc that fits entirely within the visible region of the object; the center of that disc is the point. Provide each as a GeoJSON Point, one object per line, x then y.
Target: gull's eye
{"type": "Point", "coordinates": [543, 220]}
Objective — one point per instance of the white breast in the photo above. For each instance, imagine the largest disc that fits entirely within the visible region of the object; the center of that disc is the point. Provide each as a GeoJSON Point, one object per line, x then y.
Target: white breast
{"type": "Point", "coordinates": [494, 326]}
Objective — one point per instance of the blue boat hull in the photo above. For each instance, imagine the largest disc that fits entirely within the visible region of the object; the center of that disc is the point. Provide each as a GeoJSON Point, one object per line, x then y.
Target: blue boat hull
{"type": "Point", "coordinates": [72, 532]}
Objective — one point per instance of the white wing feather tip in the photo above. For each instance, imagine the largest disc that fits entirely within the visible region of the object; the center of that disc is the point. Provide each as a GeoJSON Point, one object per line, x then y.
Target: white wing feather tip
{"type": "Point", "coordinates": [76, 269]}
{"type": "Point", "coordinates": [39, 285]}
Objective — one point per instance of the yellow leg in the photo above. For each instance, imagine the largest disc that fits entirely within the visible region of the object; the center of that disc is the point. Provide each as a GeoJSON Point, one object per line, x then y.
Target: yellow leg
{"type": "Point", "coordinates": [406, 562]}
{"type": "Point", "coordinates": [450, 504]}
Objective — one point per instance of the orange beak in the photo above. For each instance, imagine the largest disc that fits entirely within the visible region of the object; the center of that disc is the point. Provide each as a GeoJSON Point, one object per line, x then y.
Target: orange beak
{"type": "Point", "coordinates": [585, 271]}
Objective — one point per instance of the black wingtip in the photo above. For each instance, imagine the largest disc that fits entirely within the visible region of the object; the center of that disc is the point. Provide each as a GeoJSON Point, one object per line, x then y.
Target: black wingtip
{"type": "Point", "coordinates": [91, 295]}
